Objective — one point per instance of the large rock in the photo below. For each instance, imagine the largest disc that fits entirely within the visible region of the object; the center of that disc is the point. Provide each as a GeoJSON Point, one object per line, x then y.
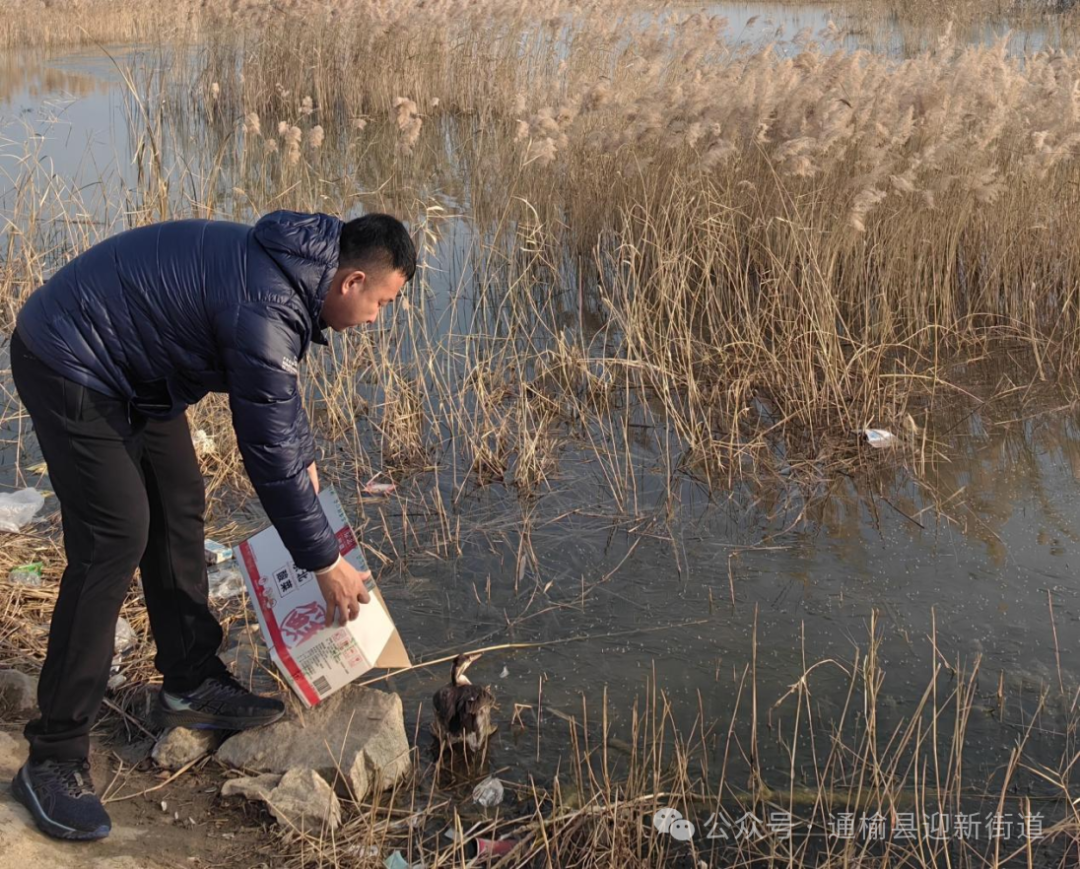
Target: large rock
{"type": "Point", "coordinates": [359, 731]}
{"type": "Point", "coordinates": [18, 694]}
{"type": "Point", "coordinates": [300, 800]}
{"type": "Point", "coordinates": [304, 802]}
{"type": "Point", "coordinates": [179, 746]}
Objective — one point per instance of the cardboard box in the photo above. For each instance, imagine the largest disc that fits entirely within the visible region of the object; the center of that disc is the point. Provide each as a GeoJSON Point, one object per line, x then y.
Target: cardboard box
{"type": "Point", "coordinates": [316, 660]}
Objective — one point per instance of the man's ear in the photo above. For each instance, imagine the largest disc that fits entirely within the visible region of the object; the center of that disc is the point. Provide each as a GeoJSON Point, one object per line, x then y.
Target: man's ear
{"type": "Point", "coordinates": [354, 281]}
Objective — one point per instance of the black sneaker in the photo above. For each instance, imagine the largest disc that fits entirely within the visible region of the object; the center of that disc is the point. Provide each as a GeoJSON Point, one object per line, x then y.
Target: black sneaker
{"type": "Point", "coordinates": [60, 796]}
{"type": "Point", "coordinates": [219, 703]}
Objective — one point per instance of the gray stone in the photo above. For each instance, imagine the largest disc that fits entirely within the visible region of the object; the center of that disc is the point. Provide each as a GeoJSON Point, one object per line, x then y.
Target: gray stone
{"type": "Point", "coordinates": [18, 694]}
{"type": "Point", "coordinates": [300, 800]}
{"type": "Point", "coordinates": [304, 802]}
{"type": "Point", "coordinates": [359, 731]}
{"type": "Point", "coordinates": [253, 788]}
{"type": "Point", "coordinates": [179, 746]}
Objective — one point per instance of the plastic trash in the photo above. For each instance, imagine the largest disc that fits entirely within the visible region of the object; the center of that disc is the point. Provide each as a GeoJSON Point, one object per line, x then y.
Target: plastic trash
{"type": "Point", "coordinates": [225, 582]}
{"type": "Point", "coordinates": [880, 438]}
{"type": "Point", "coordinates": [378, 490]}
{"type": "Point", "coordinates": [18, 508]}
{"type": "Point", "coordinates": [125, 639]}
{"type": "Point", "coordinates": [27, 574]}
{"type": "Point", "coordinates": [505, 672]}
{"type": "Point", "coordinates": [489, 792]}
{"type": "Point", "coordinates": [490, 847]}
{"type": "Point", "coordinates": [125, 636]}
{"type": "Point", "coordinates": [396, 861]}
{"type": "Point", "coordinates": [480, 847]}
{"type": "Point", "coordinates": [115, 681]}
{"type": "Point", "coordinates": [216, 553]}
{"type": "Point", "coordinates": [204, 444]}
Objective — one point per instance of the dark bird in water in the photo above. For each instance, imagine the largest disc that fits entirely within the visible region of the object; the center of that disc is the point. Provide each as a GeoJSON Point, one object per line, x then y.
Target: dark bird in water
{"type": "Point", "coordinates": [462, 709]}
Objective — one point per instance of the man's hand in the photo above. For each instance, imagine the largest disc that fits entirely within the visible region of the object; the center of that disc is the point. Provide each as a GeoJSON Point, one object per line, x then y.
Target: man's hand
{"type": "Point", "coordinates": [343, 588]}
{"type": "Point", "coordinates": [314, 474]}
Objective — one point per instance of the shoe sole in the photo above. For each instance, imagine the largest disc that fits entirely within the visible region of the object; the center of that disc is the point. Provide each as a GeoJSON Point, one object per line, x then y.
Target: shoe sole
{"type": "Point", "coordinates": [205, 721]}
{"type": "Point", "coordinates": [22, 791]}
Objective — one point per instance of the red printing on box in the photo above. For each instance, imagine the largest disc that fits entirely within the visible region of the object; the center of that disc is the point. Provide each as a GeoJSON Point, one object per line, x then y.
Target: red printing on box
{"type": "Point", "coordinates": [346, 540]}
{"type": "Point", "coordinates": [275, 632]}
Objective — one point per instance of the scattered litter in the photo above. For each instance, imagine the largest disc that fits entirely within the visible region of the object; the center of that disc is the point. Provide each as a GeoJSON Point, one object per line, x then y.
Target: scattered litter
{"type": "Point", "coordinates": [505, 672]}
{"type": "Point", "coordinates": [226, 582]}
{"type": "Point", "coordinates": [480, 847]}
{"type": "Point", "coordinates": [489, 792]}
{"type": "Point", "coordinates": [125, 639]}
{"type": "Point", "coordinates": [880, 438]}
{"type": "Point", "coordinates": [18, 508]}
{"type": "Point", "coordinates": [125, 636]}
{"type": "Point", "coordinates": [164, 806]}
{"type": "Point", "coordinates": [27, 574]}
{"type": "Point", "coordinates": [493, 847]}
{"type": "Point", "coordinates": [228, 835]}
{"type": "Point", "coordinates": [216, 553]}
{"type": "Point", "coordinates": [378, 490]}
{"type": "Point", "coordinates": [115, 681]}
{"type": "Point", "coordinates": [396, 861]}
{"type": "Point", "coordinates": [204, 444]}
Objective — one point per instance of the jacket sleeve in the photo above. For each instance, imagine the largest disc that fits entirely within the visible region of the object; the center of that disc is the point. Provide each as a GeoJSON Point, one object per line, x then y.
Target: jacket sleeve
{"type": "Point", "coordinates": [307, 440]}
{"type": "Point", "coordinates": [259, 347]}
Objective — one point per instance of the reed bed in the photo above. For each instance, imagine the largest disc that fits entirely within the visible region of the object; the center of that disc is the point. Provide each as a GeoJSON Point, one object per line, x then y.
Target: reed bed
{"type": "Point", "coordinates": [777, 244]}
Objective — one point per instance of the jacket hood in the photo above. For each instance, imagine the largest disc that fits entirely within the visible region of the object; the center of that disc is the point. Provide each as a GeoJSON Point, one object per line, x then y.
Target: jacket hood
{"type": "Point", "coordinates": [305, 247]}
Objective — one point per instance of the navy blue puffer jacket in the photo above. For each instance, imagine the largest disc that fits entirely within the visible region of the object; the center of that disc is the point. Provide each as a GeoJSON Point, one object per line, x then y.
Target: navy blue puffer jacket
{"type": "Point", "coordinates": [161, 315]}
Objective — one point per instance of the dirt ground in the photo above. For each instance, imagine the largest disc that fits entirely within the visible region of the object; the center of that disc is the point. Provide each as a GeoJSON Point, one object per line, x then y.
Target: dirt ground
{"type": "Point", "coordinates": [196, 828]}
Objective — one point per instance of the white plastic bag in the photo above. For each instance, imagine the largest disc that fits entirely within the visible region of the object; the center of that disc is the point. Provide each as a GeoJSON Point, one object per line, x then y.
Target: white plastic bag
{"type": "Point", "coordinates": [124, 640]}
{"type": "Point", "coordinates": [880, 438]}
{"type": "Point", "coordinates": [225, 582]}
{"type": "Point", "coordinates": [125, 636]}
{"type": "Point", "coordinates": [203, 443]}
{"type": "Point", "coordinates": [18, 508]}
{"type": "Point", "coordinates": [489, 792]}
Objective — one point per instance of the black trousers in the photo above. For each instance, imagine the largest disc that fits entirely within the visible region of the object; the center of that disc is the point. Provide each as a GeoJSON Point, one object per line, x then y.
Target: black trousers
{"type": "Point", "coordinates": [131, 495]}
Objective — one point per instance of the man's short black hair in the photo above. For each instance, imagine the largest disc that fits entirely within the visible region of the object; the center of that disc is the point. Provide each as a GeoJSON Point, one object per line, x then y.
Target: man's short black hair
{"type": "Point", "coordinates": [378, 240]}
